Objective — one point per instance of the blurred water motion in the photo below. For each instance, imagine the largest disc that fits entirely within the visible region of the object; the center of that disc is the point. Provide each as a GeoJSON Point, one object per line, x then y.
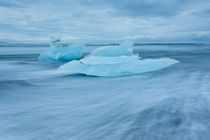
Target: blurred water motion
{"type": "Point", "coordinates": [170, 104]}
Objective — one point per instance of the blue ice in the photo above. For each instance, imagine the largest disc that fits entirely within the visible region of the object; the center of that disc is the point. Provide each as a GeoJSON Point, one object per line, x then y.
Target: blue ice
{"type": "Point", "coordinates": [61, 52]}
{"type": "Point", "coordinates": [115, 61]}
{"type": "Point", "coordinates": [114, 51]}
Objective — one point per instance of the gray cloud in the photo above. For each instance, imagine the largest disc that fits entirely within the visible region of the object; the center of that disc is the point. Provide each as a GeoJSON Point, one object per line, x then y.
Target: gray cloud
{"type": "Point", "coordinates": [106, 20]}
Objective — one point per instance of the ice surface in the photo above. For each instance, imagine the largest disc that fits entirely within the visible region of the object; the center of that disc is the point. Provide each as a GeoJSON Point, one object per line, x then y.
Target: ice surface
{"type": "Point", "coordinates": [120, 68]}
{"type": "Point", "coordinates": [115, 61]}
{"type": "Point", "coordinates": [59, 52]}
{"type": "Point", "coordinates": [62, 53]}
{"type": "Point", "coordinates": [113, 51]}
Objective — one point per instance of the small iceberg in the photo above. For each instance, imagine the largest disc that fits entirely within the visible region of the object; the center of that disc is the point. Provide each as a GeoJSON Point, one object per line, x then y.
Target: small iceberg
{"type": "Point", "coordinates": [115, 61]}
{"type": "Point", "coordinates": [61, 52]}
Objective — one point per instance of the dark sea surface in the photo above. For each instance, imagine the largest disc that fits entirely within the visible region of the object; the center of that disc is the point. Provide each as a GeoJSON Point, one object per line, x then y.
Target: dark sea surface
{"type": "Point", "coordinates": [169, 104]}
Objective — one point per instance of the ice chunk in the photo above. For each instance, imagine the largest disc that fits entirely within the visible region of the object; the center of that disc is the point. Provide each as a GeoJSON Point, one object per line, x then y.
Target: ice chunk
{"type": "Point", "coordinates": [115, 61]}
{"type": "Point", "coordinates": [61, 52]}
{"type": "Point", "coordinates": [112, 51]}
{"type": "Point", "coordinates": [68, 53]}
{"type": "Point", "coordinates": [124, 67]}
{"type": "Point", "coordinates": [93, 60]}
{"type": "Point", "coordinates": [54, 41]}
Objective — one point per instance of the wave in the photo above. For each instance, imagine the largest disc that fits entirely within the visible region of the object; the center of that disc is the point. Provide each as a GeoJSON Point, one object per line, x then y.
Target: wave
{"type": "Point", "coordinates": [10, 83]}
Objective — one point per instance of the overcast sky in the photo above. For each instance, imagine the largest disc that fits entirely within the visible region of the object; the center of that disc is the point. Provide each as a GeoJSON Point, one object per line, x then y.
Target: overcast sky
{"type": "Point", "coordinates": [106, 20]}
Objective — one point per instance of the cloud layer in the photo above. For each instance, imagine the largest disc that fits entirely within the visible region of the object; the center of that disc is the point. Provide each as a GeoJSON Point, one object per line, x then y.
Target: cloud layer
{"type": "Point", "coordinates": [106, 20]}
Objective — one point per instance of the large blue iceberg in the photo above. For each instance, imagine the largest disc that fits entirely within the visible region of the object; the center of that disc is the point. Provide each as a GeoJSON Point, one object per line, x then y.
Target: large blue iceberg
{"type": "Point", "coordinates": [61, 52]}
{"type": "Point", "coordinates": [115, 61]}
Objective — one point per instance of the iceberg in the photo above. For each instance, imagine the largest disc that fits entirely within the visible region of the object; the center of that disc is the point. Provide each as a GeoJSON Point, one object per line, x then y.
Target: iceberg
{"type": "Point", "coordinates": [61, 52]}
{"type": "Point", "coordinates": [115, 61]}
{"type": "Point", "coordinates": [113, 51]}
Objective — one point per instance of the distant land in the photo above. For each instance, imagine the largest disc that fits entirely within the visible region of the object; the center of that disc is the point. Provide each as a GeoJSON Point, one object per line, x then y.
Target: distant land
{"type": "Point", "coordinates": [46, 43]}
{"type": "Point", "coordinates": [5, 44]}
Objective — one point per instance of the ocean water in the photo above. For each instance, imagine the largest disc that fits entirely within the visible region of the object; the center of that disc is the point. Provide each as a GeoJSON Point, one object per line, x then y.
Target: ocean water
{"type": "Point", "coordinates": [169, 104]}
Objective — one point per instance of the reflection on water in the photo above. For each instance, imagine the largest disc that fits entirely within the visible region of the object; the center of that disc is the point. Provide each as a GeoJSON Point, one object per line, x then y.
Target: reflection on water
{"type": "Point", "coordinates": [173, 103]}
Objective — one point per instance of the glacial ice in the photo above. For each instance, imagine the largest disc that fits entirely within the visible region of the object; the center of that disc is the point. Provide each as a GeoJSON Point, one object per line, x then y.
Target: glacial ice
{"type": "Point", "coordinates": [61, 52]}
{"type": "Point", "coordinates": [115, 61]}
{"type": "Point", "coordinates": [113, 51]}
